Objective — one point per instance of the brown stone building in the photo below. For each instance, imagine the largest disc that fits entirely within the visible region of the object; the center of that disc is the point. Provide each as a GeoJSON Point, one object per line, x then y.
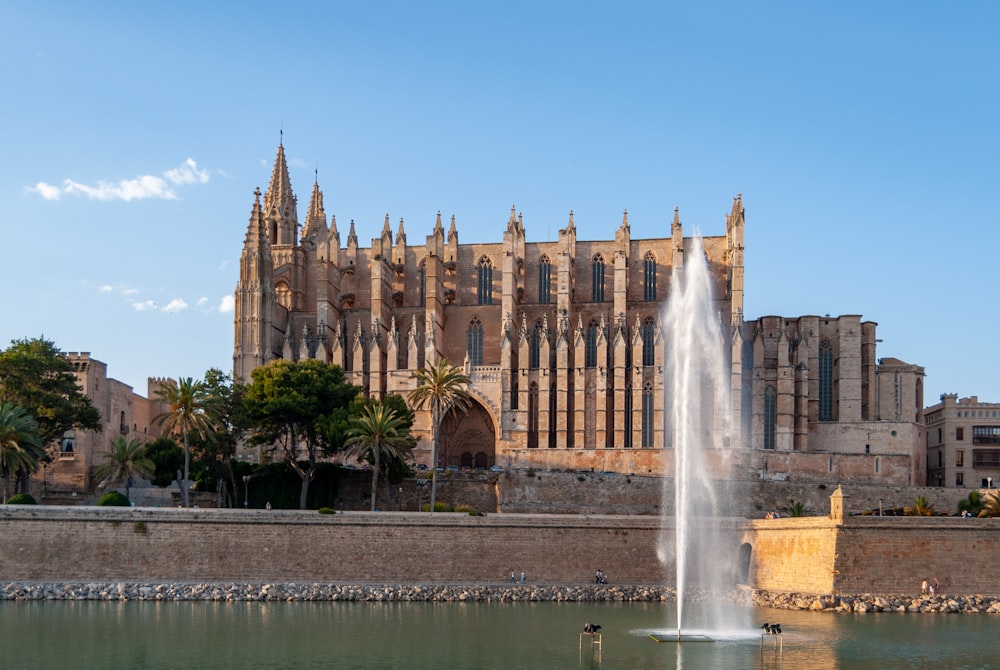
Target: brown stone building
{"type": "Point", "coordinates": [124, 413]}
{"type": "Point", "coordinates": [564, 344]}
{"type": "Point", "coordinates": [963, 443]}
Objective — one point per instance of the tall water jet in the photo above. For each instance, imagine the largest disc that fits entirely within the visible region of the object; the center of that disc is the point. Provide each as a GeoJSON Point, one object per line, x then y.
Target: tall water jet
{"type": "Point", "coordinates": [697, 407]}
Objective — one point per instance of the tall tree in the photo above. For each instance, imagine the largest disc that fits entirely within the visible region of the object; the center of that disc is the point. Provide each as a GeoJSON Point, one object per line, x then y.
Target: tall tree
{"type": "Point", "coordinates": [218, 447]}
{"type": "Point", "coordinates": [20, 444]}
{"type": "Point", "coordinates": [378, 432]}
{"type": "Point", "coordinates": [444, 388]}
{"type": "Point", "coordinates": [190, 410]}
{"type": "Point", "coordinates": [126, 459]}
{"type": "Point", "coordinates": [299, 410]}
{"type": "Point", "coordinates": [36, 375]}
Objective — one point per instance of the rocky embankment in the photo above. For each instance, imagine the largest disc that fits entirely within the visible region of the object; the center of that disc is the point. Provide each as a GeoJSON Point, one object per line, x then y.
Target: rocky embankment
{"type": "Point", "coordinates": [318, 592]}
{"type": "Point", "coordinates": [230, 592]}
{"type": "Point", "coordinates": [862, 604]}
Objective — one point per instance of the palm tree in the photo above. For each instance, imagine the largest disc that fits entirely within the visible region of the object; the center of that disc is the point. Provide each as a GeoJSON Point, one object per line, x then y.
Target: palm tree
{"type": "Point", "coordinates": [126, 459]}
{"type": "Point", "coordinates": [378, 431]}
{"type": "Point", "coordinates": [190, 408]}
{"type": "Point", "coordinates": [21, 446]}
{"type": "Point", "coordinates": [921, 507]}
{"type": "Point", "coordinates": [444, 388]}
{"type": "Point", "coordinates": [991, 505]}
{"type": "Point", "coordinates": [796, 508]}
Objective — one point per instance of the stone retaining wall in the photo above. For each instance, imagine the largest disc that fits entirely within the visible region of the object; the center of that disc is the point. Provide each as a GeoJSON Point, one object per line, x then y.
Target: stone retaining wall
{"type": "Point", "coordinates": [860, 554]}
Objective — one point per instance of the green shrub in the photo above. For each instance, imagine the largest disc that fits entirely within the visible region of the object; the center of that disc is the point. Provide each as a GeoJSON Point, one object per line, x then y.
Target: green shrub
{"type": "Point", "coordinates": [327, 510]}
{"type": "Point", "coordinates": [139, 527]}
{"type": "Point", "coordinates": [21, 499]}
{"type": "Point", "coordinates": [113, 499]}
{"type": "Point", "coordinates": [438, 507]}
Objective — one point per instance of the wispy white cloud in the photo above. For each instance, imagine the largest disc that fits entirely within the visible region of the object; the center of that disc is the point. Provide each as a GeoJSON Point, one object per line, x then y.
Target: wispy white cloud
{"type": "Point", "coordinates": [227, 304]}
{"type": "Point", "coordinates": [106, 289]}
{"type": "Point", "coordinates": [187, 173]}
{"type": "Point", "coordinates": [129, 291]}
{"type": "Point", "coordinates": [175, 305]}
{"type": "Point", "coordinates": [223, 265]}
{"type": "Point", "coordinates": [144, 306]}
{"type": "Point", "coordinates": [201, 302]}
{"type": "Point", "coordinates": [47, 191]}
{"type": "Point", "coordinates": [138, 188]}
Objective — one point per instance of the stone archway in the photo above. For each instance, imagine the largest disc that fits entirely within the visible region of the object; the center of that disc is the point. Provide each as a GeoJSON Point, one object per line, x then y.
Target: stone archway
{"type": "Point", "coordinates": [468, 439]}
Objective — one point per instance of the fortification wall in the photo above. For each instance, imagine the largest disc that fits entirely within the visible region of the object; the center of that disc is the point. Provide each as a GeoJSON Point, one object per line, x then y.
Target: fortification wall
{"type": "Point", "coordinates": [893, 555]}
{"type": "Point", "coordinates": [863, 554]}
{"type": "Point", "coordinates": [795, 555]}
{"type": "Point", "coordinates": [63, 543]}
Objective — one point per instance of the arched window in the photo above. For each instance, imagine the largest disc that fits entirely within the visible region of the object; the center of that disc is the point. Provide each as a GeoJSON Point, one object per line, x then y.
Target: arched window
{"type": "Point", "coordinates": [597, 289]}
{"type": "Point", "coordinates": [422, 283]}
{"type": "Point", "coordinates": [648, 334]}
{"type": "Point", "coordinates": [535, 346]}
{"type": "Point", "coordinates": [590, 344]}
{"type": "Point", "coordinates": [476, 341]}
{"type": "Point", "coordinates": [770, 409]}
{"type": "Point", "coordinates": [825, 380]}
{"type": "Point", "coordinates": [533, 416]}
{"type": "Point", "coordinates": [649, 277]}
{"type": "Point", "coordinates": [647, 414]}
{"type": "Point", "coordinates": [544, 280]}
{"type": "Point", "coordinates": [485, 281]}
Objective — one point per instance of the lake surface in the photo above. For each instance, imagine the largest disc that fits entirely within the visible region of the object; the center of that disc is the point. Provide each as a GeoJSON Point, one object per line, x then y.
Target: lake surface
{"type": "Point", "coordinates": [443, 636]}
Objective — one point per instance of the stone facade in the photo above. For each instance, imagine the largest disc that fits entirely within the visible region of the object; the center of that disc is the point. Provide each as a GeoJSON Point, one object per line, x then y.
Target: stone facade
{"type": "Point", "coordinates": [564, 346]}
{"type": "Point", "coordinates": [123, 413]}
{"type": "Point", "coordinates": [963, 443]}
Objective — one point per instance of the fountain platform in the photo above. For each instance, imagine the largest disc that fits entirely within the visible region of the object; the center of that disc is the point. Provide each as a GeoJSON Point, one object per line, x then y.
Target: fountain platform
{"type": "Point", "coordinates": [679, 639]}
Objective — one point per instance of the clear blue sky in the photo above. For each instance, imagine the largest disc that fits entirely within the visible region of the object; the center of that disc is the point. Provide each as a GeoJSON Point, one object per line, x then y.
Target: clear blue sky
{"type": "Point", "coordinates": [862, 135]}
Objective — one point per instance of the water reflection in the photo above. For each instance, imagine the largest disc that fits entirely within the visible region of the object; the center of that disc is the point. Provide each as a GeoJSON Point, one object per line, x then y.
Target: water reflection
{"type": "Point", "coordinates": [473, 635]}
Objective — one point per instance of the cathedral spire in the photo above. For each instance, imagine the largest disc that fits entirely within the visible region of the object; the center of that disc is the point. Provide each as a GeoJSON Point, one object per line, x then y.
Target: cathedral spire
{"type": "Point", "coordinates": [256, 228]}
{"type": "Point", "coordinates": [400, 234]}
{"type": "Point", "coordinates": [316, 217]}
{"type": "Point", "coordinates": [452, 230]}
{"type": "Point", "coordinates": [351, 235]}
{"type": "Point", "coordinates": [280, 202]}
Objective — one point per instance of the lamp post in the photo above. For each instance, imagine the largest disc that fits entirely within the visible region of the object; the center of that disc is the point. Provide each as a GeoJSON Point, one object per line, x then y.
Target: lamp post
{"type": "Point", "coordinates": [246, 491]}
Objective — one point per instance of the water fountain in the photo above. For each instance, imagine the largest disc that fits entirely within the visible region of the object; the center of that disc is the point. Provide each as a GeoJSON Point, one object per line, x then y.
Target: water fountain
{"type": "Point", "coordinates": [696, 395]}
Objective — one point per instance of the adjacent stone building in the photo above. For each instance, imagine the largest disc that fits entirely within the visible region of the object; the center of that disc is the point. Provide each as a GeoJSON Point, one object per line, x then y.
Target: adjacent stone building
{"type": "Point", "coordinates": [124, 413]}
{"type": "Point", "coordinates": [963, 443]}
{"type": "Point", "coordinates": [564, 344]}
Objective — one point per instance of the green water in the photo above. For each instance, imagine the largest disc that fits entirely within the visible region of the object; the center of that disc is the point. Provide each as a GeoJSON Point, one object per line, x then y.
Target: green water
{"type": "Point", "coordinates": [476, 635]}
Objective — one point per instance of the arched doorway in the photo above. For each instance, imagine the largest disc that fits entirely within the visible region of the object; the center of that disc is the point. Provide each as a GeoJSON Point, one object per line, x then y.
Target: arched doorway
{"type": "Point", "coordinates": [468, 439]}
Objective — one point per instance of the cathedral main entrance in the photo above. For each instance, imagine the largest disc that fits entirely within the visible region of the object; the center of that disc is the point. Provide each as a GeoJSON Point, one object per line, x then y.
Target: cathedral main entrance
{"type": "Point", "coordinates": [468, 440]}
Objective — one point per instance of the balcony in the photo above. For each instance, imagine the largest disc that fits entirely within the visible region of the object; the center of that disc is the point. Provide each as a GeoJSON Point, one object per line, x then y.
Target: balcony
{"type": "Point", "coordinates": [986, 459]}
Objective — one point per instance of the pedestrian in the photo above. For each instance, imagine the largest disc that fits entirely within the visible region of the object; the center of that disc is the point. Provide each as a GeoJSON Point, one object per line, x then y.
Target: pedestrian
{"type": "Point", "coordinates": [268, 506]}
{"type": "Point", "coordinates": [924, 588]}
{"type": "Point", "coordinates": [513, 577]}
{"type": "Point", "coordinates": [522, 576]}
{"type": "Point", "coordinates": [937, 585]}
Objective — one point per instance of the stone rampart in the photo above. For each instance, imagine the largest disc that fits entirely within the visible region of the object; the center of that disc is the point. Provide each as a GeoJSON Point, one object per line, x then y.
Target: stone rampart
{"type": "Point", "coordinates": [64, 543]}
{"type": "Point", "coordinates": [861, 554]}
